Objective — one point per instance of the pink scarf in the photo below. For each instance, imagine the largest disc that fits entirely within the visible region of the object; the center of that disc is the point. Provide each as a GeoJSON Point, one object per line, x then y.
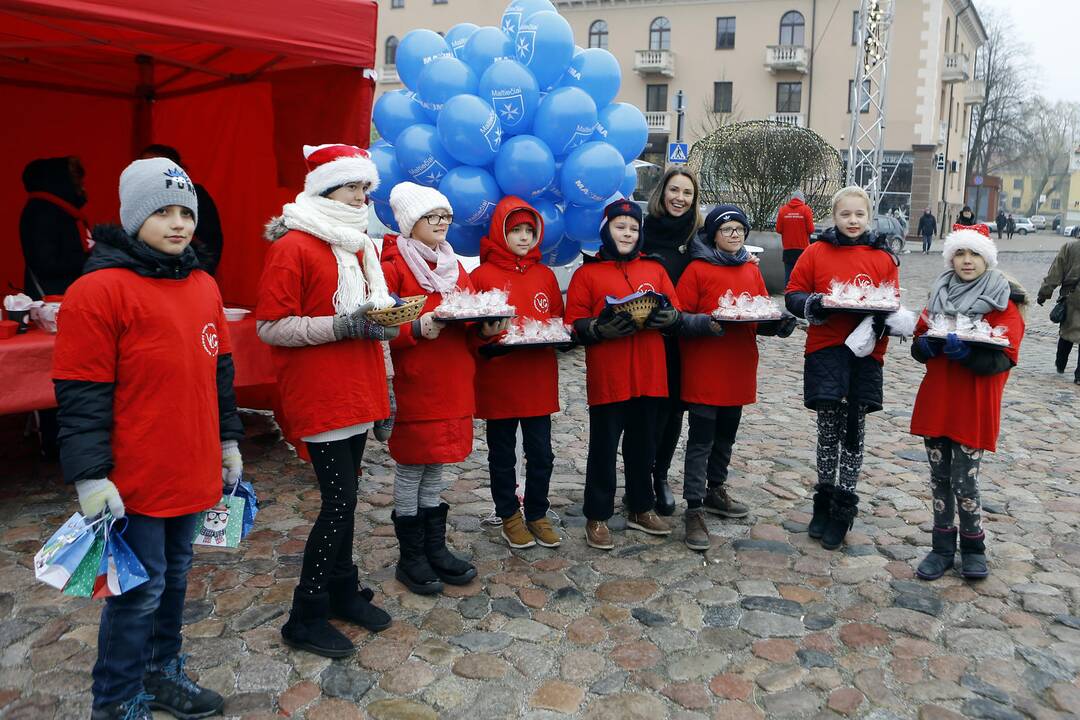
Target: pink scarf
{"type": "Point", "coordinates": [443, 278]}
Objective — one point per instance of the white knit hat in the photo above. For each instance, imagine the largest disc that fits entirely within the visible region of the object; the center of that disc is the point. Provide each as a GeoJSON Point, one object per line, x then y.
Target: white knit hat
{"type": "Point", "coordinates": [334, 165]}
{"type": "Point", "coordinates": [975, 238]}
{"type": "Point", "coordinates": [410, 202]}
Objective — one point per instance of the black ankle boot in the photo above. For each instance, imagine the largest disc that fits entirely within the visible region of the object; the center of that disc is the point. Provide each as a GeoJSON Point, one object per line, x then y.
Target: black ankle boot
{"type": "Point", "coordinates": [308, 627]}
{"type": "Point", "coordinates": [665, 501]}
{"type": "Point", "coordinates": [822, 502]}
{"type": "Point", "coordinates": [448, 566]}
{"type": "Point", "coordinates": [349, 602]}
{"type": "Point", "coordinates": [941, 557]}
{"type": "Point", "coordinates": [973, 556]}
{"type": "Point", "coordinates": [842, 512]}
{"type": "Point", "coordinates": [413, 570]}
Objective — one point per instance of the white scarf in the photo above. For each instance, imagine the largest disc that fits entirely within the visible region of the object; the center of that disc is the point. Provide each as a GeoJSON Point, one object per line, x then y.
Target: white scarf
{"type": "Point", "coordinates": [417, 255]}
{"type": "Point", "coordinates": [344, 228]}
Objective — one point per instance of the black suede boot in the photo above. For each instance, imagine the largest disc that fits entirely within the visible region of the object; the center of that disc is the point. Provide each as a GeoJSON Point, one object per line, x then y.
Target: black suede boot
{"type": "Point", "coordinates": [413, 570]}
{"type": "Point", "coordinates": [309, 629]}
{"type": "Point", "coordinates": [822, 503]}
{"type": "Point", "coordinates": [449, 567]}
{"type": "Point", "coordinates": [665, 500]}
{"type": "Point", "coordinates": [973, 556]}
{"type": "Point", "coordinates": [349, 602]}
{"type": "Point", "coordinates": [842, 512]}
{"type": "Point", "coordinates": [941, 557]}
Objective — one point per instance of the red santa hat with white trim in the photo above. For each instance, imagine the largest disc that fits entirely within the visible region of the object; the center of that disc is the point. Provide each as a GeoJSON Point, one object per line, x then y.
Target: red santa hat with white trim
{"type": "Point", "coordinates": [331, 166]}
{"type": "Point", "coordinates": [970, 237]}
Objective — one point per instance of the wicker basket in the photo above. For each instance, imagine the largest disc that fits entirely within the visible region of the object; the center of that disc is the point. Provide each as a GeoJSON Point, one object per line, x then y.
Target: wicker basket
{"type": "Point", "coordinates": [408, 311]}
{"type": "Point", "coordinates": [640, 308]}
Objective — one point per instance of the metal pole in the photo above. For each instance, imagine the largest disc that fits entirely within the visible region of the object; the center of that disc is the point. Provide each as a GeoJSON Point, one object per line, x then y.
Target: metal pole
{"type": "Point", "coordinates": [680, 111]}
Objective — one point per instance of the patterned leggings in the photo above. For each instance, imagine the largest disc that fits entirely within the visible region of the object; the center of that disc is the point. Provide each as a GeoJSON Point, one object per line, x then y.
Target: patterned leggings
{"type": "Point", "coordinates": [954, 480]}
{"type": "Point", "coordinates": [841, 433]}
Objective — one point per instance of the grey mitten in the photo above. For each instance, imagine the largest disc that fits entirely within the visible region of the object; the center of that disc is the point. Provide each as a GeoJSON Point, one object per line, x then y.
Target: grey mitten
{"type": "Point", "coordinates": [356, 325]}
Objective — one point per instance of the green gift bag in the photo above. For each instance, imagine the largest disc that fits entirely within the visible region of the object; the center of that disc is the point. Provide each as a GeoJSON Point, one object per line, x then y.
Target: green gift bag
{"type": "Point", "coordinates": [81, 583]}
{"type": "Point", "coordinates": [221, 525]}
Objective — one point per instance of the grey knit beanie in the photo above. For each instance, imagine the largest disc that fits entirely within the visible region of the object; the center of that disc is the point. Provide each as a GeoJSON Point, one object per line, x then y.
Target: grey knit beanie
{"type": "Point", "coordinates": [147, 185]}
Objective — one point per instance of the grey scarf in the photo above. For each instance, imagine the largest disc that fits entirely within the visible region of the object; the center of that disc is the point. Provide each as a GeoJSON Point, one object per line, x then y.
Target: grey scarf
{"type": "Point", "coordinates": [952, 296]}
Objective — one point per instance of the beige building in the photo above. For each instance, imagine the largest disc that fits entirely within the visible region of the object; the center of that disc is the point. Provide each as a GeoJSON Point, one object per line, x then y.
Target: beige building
{"type": "Point", "coordinates": [787, 60]}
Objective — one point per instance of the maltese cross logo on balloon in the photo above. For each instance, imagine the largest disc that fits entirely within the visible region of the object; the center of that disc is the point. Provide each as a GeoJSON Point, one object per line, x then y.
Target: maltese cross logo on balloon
{"type": "Point", "coordinates": [511, 108]}
{"type": "Point", "coordinates": [526, 40]}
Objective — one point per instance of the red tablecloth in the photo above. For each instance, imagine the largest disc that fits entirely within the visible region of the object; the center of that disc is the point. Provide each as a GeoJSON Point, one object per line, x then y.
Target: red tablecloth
{"type": "Point", "coordinates": [26, 370]}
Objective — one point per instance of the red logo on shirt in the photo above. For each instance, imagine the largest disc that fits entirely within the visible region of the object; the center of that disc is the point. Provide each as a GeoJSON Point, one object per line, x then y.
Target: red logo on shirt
{"type": "Point", "coordinates": [646, 287]}
{"type": "Point", "coordinates": [541, 302]}
{"type": "Point", "coordinates": [210, 339]}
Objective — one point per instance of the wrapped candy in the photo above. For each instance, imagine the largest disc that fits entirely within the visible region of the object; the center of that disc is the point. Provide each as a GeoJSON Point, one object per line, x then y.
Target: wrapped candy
{"type": "Point", "coordinates": [746, 307]}
{"type": "Point", "coordinates": [966, 329]}
{"type": "Point", "coordinates": [862, 296]}
{"type": "Point", "coordinates": [527, 331]}
{"type": "Point", "coordinates": [465, 304]}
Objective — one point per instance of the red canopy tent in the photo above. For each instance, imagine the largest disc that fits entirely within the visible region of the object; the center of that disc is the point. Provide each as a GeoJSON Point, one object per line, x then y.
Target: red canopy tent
{"type": "Point", "coordinates": [237, 87]}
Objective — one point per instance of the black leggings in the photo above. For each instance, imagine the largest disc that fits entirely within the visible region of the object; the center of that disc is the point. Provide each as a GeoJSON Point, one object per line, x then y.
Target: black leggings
{"type": "Point", "coordinates": [841, 434]}
{"type": "Point", "coordinates": [329, 548]}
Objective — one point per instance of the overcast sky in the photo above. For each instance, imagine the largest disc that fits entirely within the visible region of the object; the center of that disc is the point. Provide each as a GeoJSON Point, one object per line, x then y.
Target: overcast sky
{"type": "Point", "coordinates": [1051, 30]}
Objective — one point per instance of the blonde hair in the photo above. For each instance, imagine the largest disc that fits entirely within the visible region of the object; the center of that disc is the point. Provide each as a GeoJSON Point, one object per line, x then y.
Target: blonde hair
{"type": "Point", "coordinates": [850, 191]}
{"type": "Point", "coordinates": [656, 200]}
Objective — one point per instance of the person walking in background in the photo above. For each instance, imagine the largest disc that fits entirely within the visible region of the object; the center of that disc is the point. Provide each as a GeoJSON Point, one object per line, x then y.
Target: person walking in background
{"type": "Point", "coordinates": [966, 217]}
{"type": "Point", "coordinates": [1064, 274]}
{"type": "Point", "coordinates": [927, 228]}
{"type": "Point", "coordinates": [1010, 226]}
{"type": "Point", "coordinates": [795, 223]}
{"type": "Point", "coordinates": [209, 241]}
{"type": "Point", "coordinates": [1000, 221]}
{"type": "Point", "coordinates": [52, 229]}
{"type": "Point", "coordinates": [671, 222]}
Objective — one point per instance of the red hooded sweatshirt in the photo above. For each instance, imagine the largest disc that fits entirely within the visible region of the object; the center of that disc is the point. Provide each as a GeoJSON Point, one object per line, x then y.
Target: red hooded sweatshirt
{"type": "Point", "coordinates": [524, 383]}
{"type": "Point", "coordinates": [433, 379]}
{"type": "Point", "coordinates": [795, 222]}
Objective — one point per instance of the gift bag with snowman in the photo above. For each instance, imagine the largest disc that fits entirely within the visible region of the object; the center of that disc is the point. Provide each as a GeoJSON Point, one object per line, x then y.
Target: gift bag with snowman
{"type": "Point", "coordinates": [222, 525]}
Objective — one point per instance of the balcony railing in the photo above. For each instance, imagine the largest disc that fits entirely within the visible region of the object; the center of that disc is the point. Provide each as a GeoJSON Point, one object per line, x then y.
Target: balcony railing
{"type": "Point", "coordinates": [974, 92]}
{"type": "Point", "coordinates": [658, 122]}
{"type": "Point", "coordinates": [955, 68]}
{"type": "Point", "coordinates": [796, 119]}
{"type": "Point", "coordinates": [654, 62]}
{"type": "Point", "coordinates": [388, 75]}
{"type": "Point", "coordinates": [781, 58]}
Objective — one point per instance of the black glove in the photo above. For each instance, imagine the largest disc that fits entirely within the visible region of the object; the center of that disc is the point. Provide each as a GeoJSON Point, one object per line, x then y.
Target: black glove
{"type": "Point", "coordinates": [814, 312]}
{"type": "Point", "coordinates": [879, 325]}
{"type": "Point", "coordinates": [662, 318]}
{"type": "Point", "coordinates": [619, 325]}
{"type": "Point", "coordinates": [700, 325]}
{"type": "Point", "coordinates": [786, 326]}
{"type": "Point", "coordinates": [1041, 300]}
{"type": "Point", "coordinates": [494, 349]}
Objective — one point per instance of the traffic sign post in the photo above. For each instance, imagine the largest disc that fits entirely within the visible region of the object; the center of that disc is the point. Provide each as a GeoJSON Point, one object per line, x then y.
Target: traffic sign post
{"type": "Point", "coordinates": [678, 153]}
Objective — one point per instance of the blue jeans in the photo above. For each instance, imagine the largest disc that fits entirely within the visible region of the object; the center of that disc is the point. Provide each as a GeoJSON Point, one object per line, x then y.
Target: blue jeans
{"type": "Point", "coordinates": [140, 630]}
{"type": "Point", "coordinates": [927, 241]}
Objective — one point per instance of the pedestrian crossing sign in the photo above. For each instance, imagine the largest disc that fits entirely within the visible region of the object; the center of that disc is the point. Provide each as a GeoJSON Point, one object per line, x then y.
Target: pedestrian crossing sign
{"type": "Point", "coordinates": [678, 153]}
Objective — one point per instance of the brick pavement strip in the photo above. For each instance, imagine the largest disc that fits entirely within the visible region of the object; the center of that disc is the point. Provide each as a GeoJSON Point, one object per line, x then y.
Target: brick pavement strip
{"type": "Point", "coordinates": [767, 624]}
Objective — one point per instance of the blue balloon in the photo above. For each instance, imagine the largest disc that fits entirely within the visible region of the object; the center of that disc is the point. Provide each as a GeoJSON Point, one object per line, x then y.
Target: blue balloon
{"type": "Point", "coordinates": [417, 49]}
{"type": "Point", "coordinates": [554, 225]}
{"type": "Point", "coordinates": [592, 173]}
{"type": "Point", "coordinates": [465, 239]}
{"type": "Point", "coordinates": [457, 36]}
{"type": "Point", "coordinates": [485, 46]}
{"type": "Point", "coordinates": [565, 120]}
{"type": "Point", "coordinates": [519, 10]}
{"type": "Point", "coordinates": [470, 130]}
{"type": "Point", "coordinates": [390, 172]}
{"type": "Point", "coordinates": [629, 182]}
{"type": "Point", "coordinates": [512, 91]}
{"type": "Point", "coordinates": [385, 213]}
{"type": "Point", "coordinates": [596, 71]}
{"type": "Point", "coordinates": [422, 156]}
{"type": "Point", "coordinates": [624, 126]}
{"type": "Point", "coordinates": [564, 253]}
{"type": "Point", "coordinates": [545, 44]}
{"type": "Point", "coordinates": [441, 80]}
{"type": "Point", "coordinates": [525, 166]}
{"type": "Point", "coordinates": [395, 111]}
{"type": "Point", "coordinates": [473, 194]}
{"type": "Point", "coordinates": [554, 190]}
{"type": "Point", "coordinates": [583, 224]}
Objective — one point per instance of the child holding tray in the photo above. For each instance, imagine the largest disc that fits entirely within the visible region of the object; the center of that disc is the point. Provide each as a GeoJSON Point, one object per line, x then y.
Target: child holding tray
{"type": "Point", "coordinates": [837, 384]}
{"type": "Point", "coordinates": [958, 408]}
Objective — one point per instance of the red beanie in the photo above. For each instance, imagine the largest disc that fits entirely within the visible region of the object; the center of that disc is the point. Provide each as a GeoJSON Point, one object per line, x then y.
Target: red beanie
{"type": "Point", "coordinates": [519, 216]}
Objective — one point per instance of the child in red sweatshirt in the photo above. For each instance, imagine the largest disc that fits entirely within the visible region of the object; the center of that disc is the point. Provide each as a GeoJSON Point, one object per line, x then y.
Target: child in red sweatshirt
{"type": "Point", "coordinates": [626, 373]}
{"type": "Point", "coordinates": [519, 387]}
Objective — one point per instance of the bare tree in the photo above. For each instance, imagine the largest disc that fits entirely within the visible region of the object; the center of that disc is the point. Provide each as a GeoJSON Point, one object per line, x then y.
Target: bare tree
{"type": "Point", "coordinates": [999, 125]}
{"type": "Point", "coordinates": [1053, 131]}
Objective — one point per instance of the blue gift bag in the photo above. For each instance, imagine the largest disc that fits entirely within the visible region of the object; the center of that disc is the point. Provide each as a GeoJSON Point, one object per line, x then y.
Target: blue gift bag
{"type": "Point", "coordinates": [246, 491]}
{"type": "Point", "coordinates": [61, 554]}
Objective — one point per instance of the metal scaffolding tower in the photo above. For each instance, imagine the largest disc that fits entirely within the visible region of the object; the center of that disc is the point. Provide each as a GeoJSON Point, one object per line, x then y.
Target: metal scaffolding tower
{"type": "Point", "coordinates": [867, 149]}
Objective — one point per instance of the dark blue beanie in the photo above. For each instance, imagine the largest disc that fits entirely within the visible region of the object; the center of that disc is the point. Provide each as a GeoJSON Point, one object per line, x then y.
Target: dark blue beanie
{"type": "Point", "coordinates": [620, 208]}
{"type": "Point", "coordinates": [722, 214]}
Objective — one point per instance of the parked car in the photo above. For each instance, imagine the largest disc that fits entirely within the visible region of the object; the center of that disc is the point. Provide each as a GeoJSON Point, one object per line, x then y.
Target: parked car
{"type": "Point", "coordinates": [1024, 225]}
{"type": "Point", "coordinates": [1067, 231]}
{"type": "Point", "coordinates": [888, 225]}
{"type": "Point", "coordinates": [1039, 221]}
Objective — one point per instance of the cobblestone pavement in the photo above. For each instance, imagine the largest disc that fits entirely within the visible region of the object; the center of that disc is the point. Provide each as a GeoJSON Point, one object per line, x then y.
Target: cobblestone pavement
{"type": "Point", "coordinates": [767, 624]}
